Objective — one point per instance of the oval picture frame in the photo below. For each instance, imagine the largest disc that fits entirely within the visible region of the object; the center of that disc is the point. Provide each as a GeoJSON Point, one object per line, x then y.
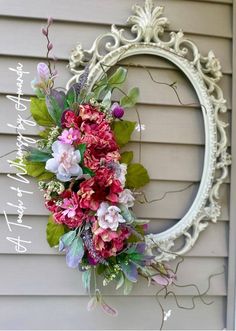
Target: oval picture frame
{"type": "Point", "coordinates": [147, 27]}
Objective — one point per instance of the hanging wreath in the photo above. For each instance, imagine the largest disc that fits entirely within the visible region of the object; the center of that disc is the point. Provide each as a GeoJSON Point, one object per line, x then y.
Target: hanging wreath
{"type": "Point", "coordinates": [89, 185]}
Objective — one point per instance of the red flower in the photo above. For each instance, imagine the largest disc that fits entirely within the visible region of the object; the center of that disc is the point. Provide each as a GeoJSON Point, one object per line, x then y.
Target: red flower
{"type": "Point", "coordinates": [103, 186]}
{"type": "Point", "coordinates": [107, 242]}
{"type": "Point", "coordinates": [70, 120]}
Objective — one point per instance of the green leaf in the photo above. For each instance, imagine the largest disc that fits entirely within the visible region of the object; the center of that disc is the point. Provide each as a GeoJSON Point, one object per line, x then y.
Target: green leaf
{"type": "Point", "coordinates": [34, 169]}
{"type": "Point", "coordinates": [118, 78]}
{"type": "Point", "coordinates": [54, 109]}
{"type": "Point", "coordinates": [71, 96]}
{"type": "Point", "coordinates": [99, 88]}
{"type": "Point", "coordinates": [100, 269]}
{"type": "Point", "coordinates": [35, 155]}
{"type": "Point", "coordinates": [131, 99]}
{"type": "Point", "coordinates": [54, 232]}
{"type": "Point", "coordinates": [40, 113]}
{"type": "Point", "coordinates": [127, 157]}
{"type": "Point", "coordinates": [137, 176]}
{"type": "Point", "coordinates": [122, 131]}
{"type": "Point", "coordinates": [44, 134]}
{"type": "Point", "coordinates": [108, 84]}
{"type": "Point", "coordinates": [37, 169]}
{"type": "Point", "coordinates": [82, 149]}
{"type": "Point", "coordinates": [46, 176]}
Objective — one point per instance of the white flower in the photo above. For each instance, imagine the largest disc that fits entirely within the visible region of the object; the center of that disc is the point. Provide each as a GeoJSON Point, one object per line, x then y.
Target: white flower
{"type": "Point", "coordinates": [64, 162]}
{"type": "Point", "coordinates": [121, 171]}
{"type": "Point", "coordinates": [126, 198]}
{"type": "Point", "coordinates": [109, 216]}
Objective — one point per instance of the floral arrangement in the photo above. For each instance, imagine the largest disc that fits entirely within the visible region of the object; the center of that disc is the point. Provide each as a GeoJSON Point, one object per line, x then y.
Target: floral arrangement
{"type": "Point", "coordinates": [89, 185]}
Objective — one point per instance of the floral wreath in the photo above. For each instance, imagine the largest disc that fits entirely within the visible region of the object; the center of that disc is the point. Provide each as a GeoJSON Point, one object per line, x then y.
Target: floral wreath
{"type": "Point", "coordinates": [89, 185]}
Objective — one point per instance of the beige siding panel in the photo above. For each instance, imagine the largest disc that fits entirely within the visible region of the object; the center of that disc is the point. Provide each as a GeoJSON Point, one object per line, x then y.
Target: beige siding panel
{"type": "Point", "coordinates": [207, 246]}
{"type": "Point", "coordinates": [180, 202]}
{"type": "Point", "coordinates": [35, 44]}
{"type": "Point", "coordinates": [176, 11]}
{"type": "Point", "coordinates": [172, 162]}
{"type": "Point", "coordinates": [29, 280]}
{"type": "Point", "coordinates": [135, 313]}
{"type": "Point", "coordinates": [163, 124]}
{"type": "Point", "coordinates": [163, 95]}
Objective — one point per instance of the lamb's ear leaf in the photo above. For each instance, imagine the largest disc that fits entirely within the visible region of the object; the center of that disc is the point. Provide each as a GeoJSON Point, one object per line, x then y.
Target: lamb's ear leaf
{"type": "Point", "coordinates": [128, 286]}
{"type": "Point", "coordinates": [86, 279]}
{"type": "Point", "coordinates": [75, 253]}
{"type": "Point", "coordinates": [67, 239]}
{"type": "Point", "coordinates": [130, 271]}
{"type": "Point", "coordinates": [36, 155]}
{"type": "Point", "coordinates": [123, 131]}
{"type": "Point", "coordinates": [56, 104]}
{"type": "Point", "coordinates": [54, 232]}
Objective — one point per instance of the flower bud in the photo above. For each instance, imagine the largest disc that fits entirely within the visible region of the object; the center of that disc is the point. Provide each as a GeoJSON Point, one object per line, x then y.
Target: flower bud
{"type": "Point", "coordinates": [50, 46]}
{"type": "Point", "coordinates": [44, 32]}
{"type": "Point", "coordinates": [50, 20]}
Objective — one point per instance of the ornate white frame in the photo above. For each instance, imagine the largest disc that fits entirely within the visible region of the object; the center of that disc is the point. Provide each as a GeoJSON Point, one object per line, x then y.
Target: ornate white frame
{"type": "Point", "coordinates": [147, 29]}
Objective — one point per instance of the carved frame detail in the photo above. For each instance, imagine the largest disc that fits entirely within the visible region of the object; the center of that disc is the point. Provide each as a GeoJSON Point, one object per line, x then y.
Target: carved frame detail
{"type": "Point", "coordinates": [147, 28]}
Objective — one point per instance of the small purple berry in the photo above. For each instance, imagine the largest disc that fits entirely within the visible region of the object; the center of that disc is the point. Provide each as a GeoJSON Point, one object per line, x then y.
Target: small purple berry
{"type": "Point", "coordinates": [117, 110]}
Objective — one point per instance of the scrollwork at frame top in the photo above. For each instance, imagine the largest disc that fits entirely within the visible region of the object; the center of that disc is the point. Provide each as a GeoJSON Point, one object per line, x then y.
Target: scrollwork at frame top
{"type": "Point", "coordinates": [147, 35]}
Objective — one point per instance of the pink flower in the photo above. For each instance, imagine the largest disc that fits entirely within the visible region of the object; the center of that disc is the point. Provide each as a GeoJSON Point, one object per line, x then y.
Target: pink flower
{"type": "Point", "coordinates": [109, 216]}
{"type": "Point", "coordinates": [70, 206]}
{"type": "Point", "coordinates": [69, 136]}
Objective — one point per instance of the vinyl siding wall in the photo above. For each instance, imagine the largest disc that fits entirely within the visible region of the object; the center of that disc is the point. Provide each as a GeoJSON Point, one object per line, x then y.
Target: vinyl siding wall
{"type": "Point", "coordinates": [37, 290]}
